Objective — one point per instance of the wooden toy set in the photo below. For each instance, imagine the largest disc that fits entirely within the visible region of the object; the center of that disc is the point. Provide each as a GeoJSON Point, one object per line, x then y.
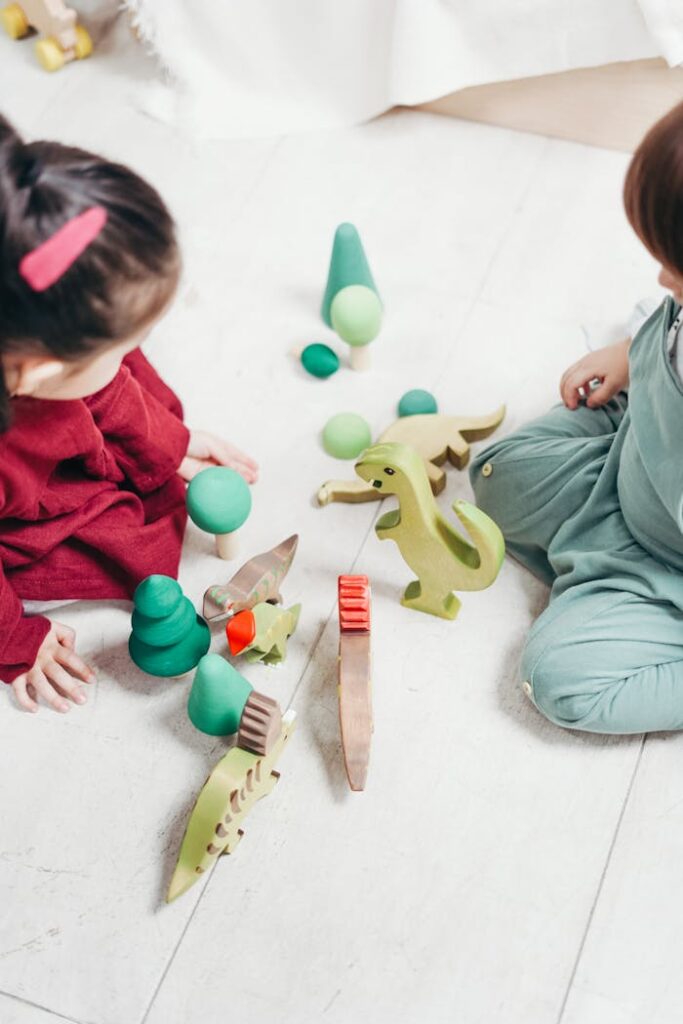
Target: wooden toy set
{"type": "Point", "coordinates": [168, 638]}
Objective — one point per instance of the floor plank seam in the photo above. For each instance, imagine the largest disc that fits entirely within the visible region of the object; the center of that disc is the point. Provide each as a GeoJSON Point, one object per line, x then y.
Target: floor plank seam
{"type": "Point", "coordinates": [603, 875]}
{"type": "Point", "coordinates": [45, 1009]}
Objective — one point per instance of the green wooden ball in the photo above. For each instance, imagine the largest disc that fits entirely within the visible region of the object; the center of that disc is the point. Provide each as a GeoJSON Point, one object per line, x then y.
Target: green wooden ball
{"type": "Point", "coordinates": [218, 500]}
{"type": "Point", "coordinates": [217, 697]}
{"type": "Point", "coordinates": [320, 360]}
{"type": "Point", "coordinates": [356, 314]}
{"type": "Point", "coordinates": [417, 403]}
{"type": "Point", "coordinates": [346, 435]}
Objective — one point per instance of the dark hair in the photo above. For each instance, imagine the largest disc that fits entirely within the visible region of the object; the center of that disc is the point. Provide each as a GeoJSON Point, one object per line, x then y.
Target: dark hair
{"type": "Point", "coordinates": [121, 282]}
{"type": "Point", "coordinates": [653, 190]}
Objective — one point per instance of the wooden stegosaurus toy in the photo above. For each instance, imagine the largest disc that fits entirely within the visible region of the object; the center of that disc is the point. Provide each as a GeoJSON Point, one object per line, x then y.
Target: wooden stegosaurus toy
{"type": "Point", "coordinates": [438, 554]}
{"type": "Point", "coordinates": [239, 779]}
{"type": "Point", "coordinates": [435, 436]}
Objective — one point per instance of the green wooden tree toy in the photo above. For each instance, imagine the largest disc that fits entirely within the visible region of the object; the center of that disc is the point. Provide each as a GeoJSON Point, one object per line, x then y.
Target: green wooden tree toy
{"type": "Point", "coordinates": [438, 554]}
{"type": "Point", "coordinates": [351, 303]}
{"type": "Point", "coordinates": [219, 501]}
{"type": "Point", "coordinates": [222, 702]}
{"type": "Point", "coordinates": [233, 787]}
{"type": "Point", "coordinates": [168, 636]}
{"type": "Point", "coordinates": [261, 633]}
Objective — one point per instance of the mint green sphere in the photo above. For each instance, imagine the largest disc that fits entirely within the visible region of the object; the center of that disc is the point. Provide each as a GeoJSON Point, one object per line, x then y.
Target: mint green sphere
{"type": "Point", "coordinates": [356, 314]}
{"type": "Point", "coordinates": [218, 500]}
{"type": "Point", "coordinates": [417, 403]}
{"type": "Point", "coordinates": [346, 435]}
{"type": "Point", "coordinates": [320, 360]}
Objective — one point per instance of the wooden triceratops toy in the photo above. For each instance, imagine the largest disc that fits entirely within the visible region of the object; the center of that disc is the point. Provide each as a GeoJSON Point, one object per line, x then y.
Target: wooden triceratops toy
{"type": "Point", "coordinates": [438, 554]}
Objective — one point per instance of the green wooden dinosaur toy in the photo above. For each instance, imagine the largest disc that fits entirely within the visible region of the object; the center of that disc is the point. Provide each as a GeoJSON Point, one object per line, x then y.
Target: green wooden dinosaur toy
{"type": "Point", "coordinates": [262, 632]}
{"type": "Point", "coordinates": [438, 554]}
{"type": "Point", "coordinates": [239, 779]}
{"type": "Point", "coordinates": [435, 436]}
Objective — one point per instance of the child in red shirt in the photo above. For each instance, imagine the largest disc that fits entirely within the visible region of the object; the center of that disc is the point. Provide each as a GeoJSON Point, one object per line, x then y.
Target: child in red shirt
{"type": "Point", "coordinates": [93, 449]}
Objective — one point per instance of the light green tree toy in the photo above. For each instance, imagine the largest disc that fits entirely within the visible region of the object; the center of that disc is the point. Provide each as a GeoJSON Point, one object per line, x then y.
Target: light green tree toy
{"type": "Point", "coordinates": [351, 303]}
{"type": "Point", "coordinates": [168, 637]}
{"type": "Point", "coordinates": [438, 554]}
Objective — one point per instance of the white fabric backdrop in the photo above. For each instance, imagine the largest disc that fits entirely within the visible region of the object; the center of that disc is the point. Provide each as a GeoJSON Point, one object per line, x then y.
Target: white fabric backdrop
{"type": "Point", "coordinates": [245, 68]}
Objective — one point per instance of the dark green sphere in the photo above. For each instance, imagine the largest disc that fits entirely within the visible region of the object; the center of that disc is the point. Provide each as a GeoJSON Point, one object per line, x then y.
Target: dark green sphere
{"type": "Point", "coordinates": [320, 360]}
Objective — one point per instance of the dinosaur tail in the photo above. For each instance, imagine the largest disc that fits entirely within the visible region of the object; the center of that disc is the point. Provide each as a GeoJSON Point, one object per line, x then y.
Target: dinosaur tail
{"type": "Point", "coordinates": [476, 428]}
{"type": "Point", "coordinates": [489, 546]}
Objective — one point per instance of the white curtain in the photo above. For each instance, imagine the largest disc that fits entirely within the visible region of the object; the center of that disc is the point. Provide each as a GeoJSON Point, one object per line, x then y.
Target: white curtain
{"type": "Point", "coordinates": [246, 68]}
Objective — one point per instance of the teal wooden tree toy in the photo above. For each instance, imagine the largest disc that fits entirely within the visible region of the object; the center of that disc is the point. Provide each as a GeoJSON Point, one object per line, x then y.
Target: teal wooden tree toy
{"type": "Point", "coordinates": [219, 501]}
{"type": "Point", "coordinates": [438, 554]}
{"type": "Point", "coordinates": [261, 633]}
{"type": "Point", "coordinates": [222, 702]}
{"type": "Point", "coordinates": [239, 779]}
{"type": "Point", "coordinates": [168, 636]}
{"type": "Point", "coordinates": [351, 303]}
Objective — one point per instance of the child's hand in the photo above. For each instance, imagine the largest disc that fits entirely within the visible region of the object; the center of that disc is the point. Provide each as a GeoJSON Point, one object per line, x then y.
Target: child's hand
{"type": "Point", "coordinates": [609, 364]}
{"type": "Point", "coordinates": [53, 672]}
{"type": "Point", "coordinates": [208, 450]}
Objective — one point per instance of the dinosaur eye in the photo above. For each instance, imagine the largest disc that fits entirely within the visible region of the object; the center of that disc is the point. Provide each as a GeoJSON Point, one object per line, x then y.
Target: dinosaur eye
{"type": "Point", "coordinates": [390, 472]}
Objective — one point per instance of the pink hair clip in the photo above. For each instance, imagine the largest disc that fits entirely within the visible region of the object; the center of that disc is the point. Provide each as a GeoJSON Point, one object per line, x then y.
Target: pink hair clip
{"type": "Point", "coordinates": [41, 267]}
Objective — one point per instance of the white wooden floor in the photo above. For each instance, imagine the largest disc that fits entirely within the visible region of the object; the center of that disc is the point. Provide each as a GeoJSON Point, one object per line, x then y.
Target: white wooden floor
{"type": "Point", "coordinates": [497, 869]}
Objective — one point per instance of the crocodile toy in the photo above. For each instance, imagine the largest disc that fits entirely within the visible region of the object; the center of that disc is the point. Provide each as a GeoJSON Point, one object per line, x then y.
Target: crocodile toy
{"type": "Point", "coordinates": [239, 779]}
{"type": "Point", "coordinates": [440, 557]}
{"type": "Point", "coordinates": [435, 436]}
{"type": "Point", "coordinates": [258, 580]}
{"type": "Point", "coordinates": [261, 633]}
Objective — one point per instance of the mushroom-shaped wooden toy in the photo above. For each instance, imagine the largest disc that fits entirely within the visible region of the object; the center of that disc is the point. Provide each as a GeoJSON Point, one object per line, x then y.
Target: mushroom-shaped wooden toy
{"type": "Point", "coordinates": [219, 501]}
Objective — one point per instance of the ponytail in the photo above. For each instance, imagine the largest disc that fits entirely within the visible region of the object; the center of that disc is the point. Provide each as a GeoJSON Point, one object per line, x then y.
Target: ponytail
{"type": "Point", "coordinates": [118, 285]}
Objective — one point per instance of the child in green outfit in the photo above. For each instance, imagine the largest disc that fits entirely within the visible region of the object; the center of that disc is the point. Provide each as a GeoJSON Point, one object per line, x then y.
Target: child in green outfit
{"type": "Point", "coordinates": [590, 497]}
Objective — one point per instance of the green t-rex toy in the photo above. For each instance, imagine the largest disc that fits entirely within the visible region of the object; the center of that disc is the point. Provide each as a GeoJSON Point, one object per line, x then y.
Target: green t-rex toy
{"type": "Point", "coordinates": [437, 553]}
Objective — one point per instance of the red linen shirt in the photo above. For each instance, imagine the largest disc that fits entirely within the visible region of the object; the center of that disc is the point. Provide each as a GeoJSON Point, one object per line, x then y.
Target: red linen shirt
{"type": "Point", "coordinates": [90, 500]}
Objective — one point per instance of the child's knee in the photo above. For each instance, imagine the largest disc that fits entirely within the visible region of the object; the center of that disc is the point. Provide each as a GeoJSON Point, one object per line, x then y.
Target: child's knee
{"type": "Point", "coordinates": [558, 688]}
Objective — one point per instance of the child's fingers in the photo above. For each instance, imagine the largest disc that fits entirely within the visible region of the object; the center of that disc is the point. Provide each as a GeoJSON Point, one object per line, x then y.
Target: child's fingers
{"type": "Point", "coordinates": [601, 394]}
{"type": "Point", "coordinates": [77, 667]}
{"type": "Point", "coordinates": [21, 693]}
{"type": "Point", "coordinates": [65, 634]}
{"type": "Point", "coordinates": [42, 686]}
{"type": "Point", "coordinates": [65, 684]}
{"type": "Point", "coordinates": [227, 454]}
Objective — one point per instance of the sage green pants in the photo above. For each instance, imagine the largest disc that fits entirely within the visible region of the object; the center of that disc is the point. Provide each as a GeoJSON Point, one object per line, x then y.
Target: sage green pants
{"type": "Point", "coordinates": [607, 653]}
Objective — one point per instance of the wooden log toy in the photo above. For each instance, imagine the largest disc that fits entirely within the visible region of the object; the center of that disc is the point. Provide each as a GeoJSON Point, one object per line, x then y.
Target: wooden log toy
{"type": "Point", "coordinates": [261, 633]}
{"type": "Point", "coordinates": [257, 581]}
{"type": "Point", "coordinates": [219, 502]}
{"type": "Point", "coordinates": [168, 637]}
{"type": "Point", "coordinates": [351, 304]}
{"type": "Point", "coordinates": [354, 687]}
{"type": "Point", "coordinates": [64, 40]}
{"type": "Point", "coordinates": [435, 436]}
{"type": "Point", "coordinates": [239, 779]}
{"type": "Point", "coordinates": [222, 702]}
{"type": "Point", "coordinates": [440, 557]}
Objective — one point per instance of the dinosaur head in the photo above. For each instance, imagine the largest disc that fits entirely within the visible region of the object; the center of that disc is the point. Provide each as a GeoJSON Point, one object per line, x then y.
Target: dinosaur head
{"type": "Point", "coordinates": [388, 466]}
